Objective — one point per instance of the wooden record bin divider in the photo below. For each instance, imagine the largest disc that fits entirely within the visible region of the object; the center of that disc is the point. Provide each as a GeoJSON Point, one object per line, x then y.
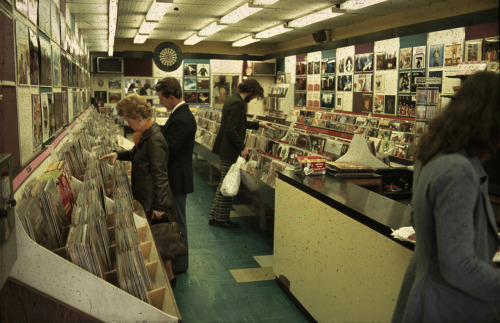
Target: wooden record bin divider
{"type": "Point", "coordinates": [161, 296]}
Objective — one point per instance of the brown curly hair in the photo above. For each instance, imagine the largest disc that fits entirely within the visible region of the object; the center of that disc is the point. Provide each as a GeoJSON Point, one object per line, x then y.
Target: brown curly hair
{"type": "Point", "coordinates": [133, 106]}
{"type": "Point", "coordinates": [253, 87]}
{"type": "Point", "coordinates": [471, 121]}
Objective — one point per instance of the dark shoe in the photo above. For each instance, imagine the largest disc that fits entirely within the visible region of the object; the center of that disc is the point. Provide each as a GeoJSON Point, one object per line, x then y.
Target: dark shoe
{"type": "Point", "coordinates": [179, 272]}
{"type": "Point", "coordinates": [226, 224]}
{"type": "Point", "coordinates": [211, 222]}
{"type": "Point", "coordinates": [173, 282]}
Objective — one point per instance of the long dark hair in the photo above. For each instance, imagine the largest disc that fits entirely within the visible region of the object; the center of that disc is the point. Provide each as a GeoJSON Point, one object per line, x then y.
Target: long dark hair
{"type": "Point", "coordinates": [471, 121]}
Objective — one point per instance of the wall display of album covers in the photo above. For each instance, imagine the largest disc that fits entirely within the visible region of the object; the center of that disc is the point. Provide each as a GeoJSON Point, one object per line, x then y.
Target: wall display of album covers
{"type": "Point", "coordinates": [33, 11]}
{"type": "Point", "coordinates": [405, 58]}
{"type": "Point", "coordinates": [419, 57]}
{"type": "Point", "coordinates": [44, 7]}
{"type": "Point", "coordinates": [417, 79]}
{"type": "Point", "coordinates": [45, 62]}
{"type": "Point", "coordinates": [386, 60]}
{"type": "Point", "coordinates": [363, 82]}
{"type": "Point", "coordinates": [301, 68]}
{"type": "Point", "coordinates": [34, 58]}
{"type": "Point", "coordinates": [22, 6]}
{"type": "Point", "coordinates": [23, 53]}
{"type": "Point", "coordinates": [364, 63]}
{"type": "Point", "coordinates": [436, 55]}
{"type": "Point", "coordinates": [37, 120]}
{"type": "Point", "coordinates": [452, 54]}
{"type": "Point", "coordinates": [44, 102]}
{"type": "Point", "coordinates": [491, 49]}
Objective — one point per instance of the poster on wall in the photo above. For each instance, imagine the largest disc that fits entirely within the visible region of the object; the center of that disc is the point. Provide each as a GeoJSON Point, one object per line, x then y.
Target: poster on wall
{"type": "Point", "coordinates": [491, 49]}
{"type": "Point", "coordinates": [405, 58]}
{"type": "Point", "coordinates": [33, 11]}
{"type": "Point", "coordinates": [473, 50]}
{"type": "Point", "coordinates": [44, 16]}
{"type": "Point", "coordinates": [44, 102]}
{"type": "Point", "coordinates": [379, 83]}
{"type": "Point", "coordinates": [363, 82]}
{"type": "Point", "coordinates": [34, 58]}
{"type": "Point", "coordinates": [404, 82]}
{"type": "Point", "coordinates": [45, 62]}
{"type": "Point", "coordinates": [436, 55]}
{"type": "Point", "coordinates": [23, 53]}
{"type": "Point", "coordinates": [390, 104]}
{"type": "Point", "coordinates": [406, 106]}
{"type": "Point", "coordinates": [378, 103]}
{"type": "Point", "coordinates": [56, 75]}
{"type": "Point", "coordinates": [419, 57]}
{"type": "Point", "coordinates": [452, 54]}
{"type": "Point", "coordinates": [189, 69]}
{"type": "Point", "coordinates": [37, 120]}
{"type": "Point", "coordinates": [22, 6]}
{"type": "Point", "coordinates": [364, 63]}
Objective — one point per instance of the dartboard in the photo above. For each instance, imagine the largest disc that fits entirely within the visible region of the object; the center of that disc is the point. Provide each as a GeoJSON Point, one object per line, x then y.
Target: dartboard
{"type": "Point", "coordinates": [168, 57]}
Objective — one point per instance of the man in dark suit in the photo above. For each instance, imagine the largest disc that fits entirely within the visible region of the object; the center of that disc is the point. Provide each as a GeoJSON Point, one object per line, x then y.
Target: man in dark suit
{"type": "Point", "coordinates": [230, 143]}
{"type": "Point", "coordinates": [179, 132]}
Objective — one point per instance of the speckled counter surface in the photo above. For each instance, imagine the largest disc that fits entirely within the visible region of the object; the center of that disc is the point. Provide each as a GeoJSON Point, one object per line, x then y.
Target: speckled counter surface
{"type": "Point", "coordinates": [333, 250]}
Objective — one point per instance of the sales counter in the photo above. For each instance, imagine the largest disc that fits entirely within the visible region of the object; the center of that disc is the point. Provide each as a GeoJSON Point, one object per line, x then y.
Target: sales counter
{"type": "Point", "coordinates": [333, 250]}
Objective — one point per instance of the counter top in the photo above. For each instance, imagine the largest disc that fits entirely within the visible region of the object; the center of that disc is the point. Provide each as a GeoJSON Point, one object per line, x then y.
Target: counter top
{"type": "Point", "coordinates": [373, 210]}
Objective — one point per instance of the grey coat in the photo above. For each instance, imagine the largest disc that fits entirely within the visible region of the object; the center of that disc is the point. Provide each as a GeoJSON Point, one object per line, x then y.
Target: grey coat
{"type": "Point", "coordinates": [450, 278]}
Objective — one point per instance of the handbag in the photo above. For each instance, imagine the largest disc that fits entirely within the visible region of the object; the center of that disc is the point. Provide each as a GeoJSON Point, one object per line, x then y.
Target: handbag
{"type": "Point", "coordinates": [231, 183]}
{"type": "Point", "coordinates": [169, 239]}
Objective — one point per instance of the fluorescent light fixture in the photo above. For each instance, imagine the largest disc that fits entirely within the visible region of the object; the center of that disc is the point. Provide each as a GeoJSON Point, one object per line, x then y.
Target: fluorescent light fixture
{"type": "Point", "coordinates": [158, 9]}
{"type": "Point", "coordinates": [113, 16]}
{"type": "Point", "coordinates": [195, 39]}
{"type": "Point", "coordinates": [140, 39]}
{"type": "Point", "coordinates": [263, 2]}
{"type": "Point", "coordinates": [211, 29]}
{"type": "Point", "coordinates": [313, 18]}
{"type": "Point", "coordinates": [358, 4]}
{"type": "Point", "coordinates": [245, 41]}
{"type": "Point", "coordinates": [239, 14]}
{"type": "Point", "coordinates": [273, 31]}
{"type": "Point", "coordinates": [147, 27]}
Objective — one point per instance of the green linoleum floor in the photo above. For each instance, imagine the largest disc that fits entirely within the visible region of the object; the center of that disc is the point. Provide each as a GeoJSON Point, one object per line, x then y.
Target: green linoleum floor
{"type": "Point", "coordinates": [208, 292]}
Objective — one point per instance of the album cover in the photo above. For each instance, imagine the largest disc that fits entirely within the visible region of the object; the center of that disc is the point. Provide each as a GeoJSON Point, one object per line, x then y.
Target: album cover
{"type": "Point", "coordinates": [338, 102]}
{"type": "Point", "coordinates": [364, 63]}
{"type": "Point", "coordinates": [367, 103]}
{"type": "Point", "coordinates": [114, 83]}
{"type": "Point", "coordinates": [404, 82]}
{"type": "Point", "coordinates": [340, 65]}
{"type": "Point", "coordinates": [23, 53]}
{"type": "Point", "coordinates": [378, 103]}
{"type": "Point", "coordinates": [203, 83]}
{"type": "Point", "coordinates": [114, 97]}
{"type": "Point", "coordinates": [52, 114]}
{"type": "Point", "coordinates": [436, 55]}
{"type": "Point", "coordinates": [204, 97]}
{"type": "Point", "coordinates": [34, 58]}
{"type": "Point", "coordinates": [344, 83]}
{"type": "Point", "coordinates": [349, 64]}
{"type": "Point", "coordinates": [417, 80]}
{"type": "Point", "coordinates": [327, 100]}
{"type": "Point", "coordinates": [421, 112]}
{"type": "Point", "coordinates": [56, 76]}
{"type": "Point", "coordinates": [65, 107]}
{"type": "Point", "coordinates": [327, 65]}
{"type": "Point", "coordinates": [189, 84]}
{"type": "Point", "coordinates": [380, 61]}
{"type": "Point", "coordinates": [310, 68]}
{"type": "Point", "coordinates": [405, 58]}
{"type": "Point", "coordinates": [328, 83]}
{"type": "Point", "coordinates": [379, 83]}
{"type": "Point", "coordinates": [491, 49]}
{"type": "Point", "coordinates": [44, 7]}
{"type": "Point", "coordinates": [203, 70]}
{"type": "Point", "coordinates": [400, 150]}
{"type": "Point", "coordinates": [300, 99]}
{"type": "Point", "coordinates": [44, 103]}
{"type": "Point", "coordinates": [58, 110]}
{"type": "Point", "coordinates": [64, 34]}
{"type": "Point", "coordinates": [406, 106]}
{"type": "Point", "coordinates": [363, 82]}
{"type": "Point", "coordinates": [419, 57]}
{"type": "Point", "coordinates": [22, 6]}
{"type": "Point", "coordinates": [390, 104]}
{"type": "Point", "coordinates": [385, 146]}
{"type": "Point", "coordinates": [37, 121]}
{"type": "Point", "coordinates": [301, 84]}
{"type": "Point", "coordinates": [190, 97]}
{"type": "Point", "coordinates": [420, 127]}
{"type": "Point", "coordinates": [190, 69]}
{"type": "Point", "coordinates": [55, 22]}
{"type": "Point", "coordinates": [473, 50]}
{"type": "Point", "coordinates": [452, 54]}
{"type": "Point", "coordinates": [316, 67]}
{"type": "Point", "coordinates": [64, 69]}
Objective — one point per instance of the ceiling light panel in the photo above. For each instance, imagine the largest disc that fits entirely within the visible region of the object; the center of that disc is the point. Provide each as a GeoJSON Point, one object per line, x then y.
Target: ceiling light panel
{"type": "Point", "coordinates": [193, 40]}
{"type": "Point", "coordinates": [158, 9]}
{"type": "Point", "coordinates": [313, 18]}
{"type": "Point", "coordinates": [239, 14]}
{"type": "Point", "coordinates": [245, 41]}
{"type": "Point", "coordinates": [271, 32]}
{"type": "Point", "coordinates": [358, 4]}
{"type": "Point", "coordinates": [264, 2]}
{"type": "Point", "coordinates": [211, 29]}
{"type": "Point", "coordinates": [147, 27]}
{"type": "Point", "coordinates": [140, 39]}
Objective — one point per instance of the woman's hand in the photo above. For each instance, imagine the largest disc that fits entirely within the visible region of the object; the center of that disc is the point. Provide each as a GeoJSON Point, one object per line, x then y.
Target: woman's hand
{"type": "Point", "coordinates": [265, 124]}
{"type": "Point", "coordinates": [113, 157]}
{"type": "Point", "coordinates": [157, 214]}
{"type": "Point", "coordinates": [244, 153]}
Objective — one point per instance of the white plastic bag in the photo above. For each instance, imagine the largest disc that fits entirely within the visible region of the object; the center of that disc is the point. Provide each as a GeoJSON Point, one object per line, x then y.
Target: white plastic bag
{"type": "Point", "coordinates": [231, 183]}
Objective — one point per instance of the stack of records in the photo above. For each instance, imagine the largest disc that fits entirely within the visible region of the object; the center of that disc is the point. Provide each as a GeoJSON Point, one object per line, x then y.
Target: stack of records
{"type": "Point", "coordinates": [131, 269]}
{"type": "Point", "coordinates": [348, 169]}
{"type": "Point", "coordinates": [121, 186]}
{"type": "Point", "coordinates": [72, 153]}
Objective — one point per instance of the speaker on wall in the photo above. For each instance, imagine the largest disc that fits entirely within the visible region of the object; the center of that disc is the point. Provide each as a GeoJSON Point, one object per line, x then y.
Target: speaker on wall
{"type": "Point", "coordinates": [319, 36]}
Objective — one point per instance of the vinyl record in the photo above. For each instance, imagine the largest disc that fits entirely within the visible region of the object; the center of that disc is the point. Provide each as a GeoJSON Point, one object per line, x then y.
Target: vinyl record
{"type": "Point", "coordinates": [168, 57]}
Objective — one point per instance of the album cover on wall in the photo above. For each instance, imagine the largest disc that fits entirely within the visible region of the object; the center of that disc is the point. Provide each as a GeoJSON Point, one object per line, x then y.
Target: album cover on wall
{"type": "Point", "coordinates": [300, 84]}
{"type": "Point", "coordinates": [378, 103]}
{"type": "Point", "coordinates": [340, 65]}
{"type": "Point", "coordinates": [364, 63]}
{"type": "Point", "coordinates": [204, 97]}
{"type": "Point", "coordinates": [417, 79]}
{"type": "Point", "coordinates": [404, 82]}
{"type": "Point", "coordinates": [473, 50]}
{"type": "Point", "coordinates": [55, 22]}
{"type": "Point", "coordinates": [58, 104]}
{"type": "Point", "coordinates": [406, 106]}
{"type": "Point", "coordinates": [300, 99]}
{"type": "Point", "coordinates": [76, 108]}
{"type": "Point", "coordinates": [419, 57]}
{"type": "Point", "coordinates": [328, 83]}
{"type": "Point", "coordinates": [33, 11]}
{"type": "Point", "coordinates": [45, 62]}
{"type": "Point", "coordinates": [114, 83]}
{"type": "Point", "coordinates": [190, 96]}
{"type": "Point", "coordinates": [189, 69]}
{"type": "Point", "coordinates": [363, 82]}
{"type": "Point", "coordinates": [405, 58]}
{"type": "Point", "coordinates": [22, 6]}
{"type": "Point", "coordinates": [44, 7]}
{"type": "Point", "coordinates": [56, 75]}
{"type": "Point", "coordinates": [344, 83]}
{"type": "Point", "coordinates": [65, 107]}
{"type": "Point", "coordinates": [491, 49]}
{"type": "Point", "coordinates": [63, 32]}
{"type": "Point", "coordinates": [349, 64]}
{"type": "Point", "coordinates": [327, 100]}
{"type": "Point", "coordinates": [390, 104]}
{"type": "Point", "coordinates": [37, 120]}
{"type": "Point", "coordinates": [379, 83]}
{"type": "Point", "coordinates": [436, 54]}
{"type": "Point", "coordinates": [34, 58]}
{"type": "Point", "coordinates": [328, 65]}
{"type": "Point", "coordinates": [189, 84]}
{"type": "Point", "coordinates": [64, 70]}
{"type": "Point", "coordinates": [44, 103]}
{"type": "Point", "coordinates": [452, 54]}
{"type": "Point", "coordinates": [23, 53]}
{"type": "Point", "coordinates": [203, 83]}
{"type": "Point", "coordinates": [52, 114]}
{"type": "Point", "coordinates": [204, 70]}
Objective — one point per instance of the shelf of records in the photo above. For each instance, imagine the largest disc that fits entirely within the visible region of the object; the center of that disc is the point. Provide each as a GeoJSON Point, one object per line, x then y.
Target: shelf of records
{"type": "Point", "coordinates": [427, 107]}
{"type": "Point", "coordinates": [82, 209]}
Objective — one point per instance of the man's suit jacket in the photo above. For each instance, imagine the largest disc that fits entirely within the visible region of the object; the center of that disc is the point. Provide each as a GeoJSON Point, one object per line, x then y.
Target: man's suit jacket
{"type": "Point", "coordinates": [449, 278]}
{"type": "Point", "coordinates": [230, 140]}
{"type": "Point", "coordinates": [179, 132]}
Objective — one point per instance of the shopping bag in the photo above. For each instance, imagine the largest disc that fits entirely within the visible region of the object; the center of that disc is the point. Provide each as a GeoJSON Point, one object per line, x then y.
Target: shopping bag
{"type": "Point", "coordinates": [169, 239]}
{"type": "Point", "coordinates": [231, 183]}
